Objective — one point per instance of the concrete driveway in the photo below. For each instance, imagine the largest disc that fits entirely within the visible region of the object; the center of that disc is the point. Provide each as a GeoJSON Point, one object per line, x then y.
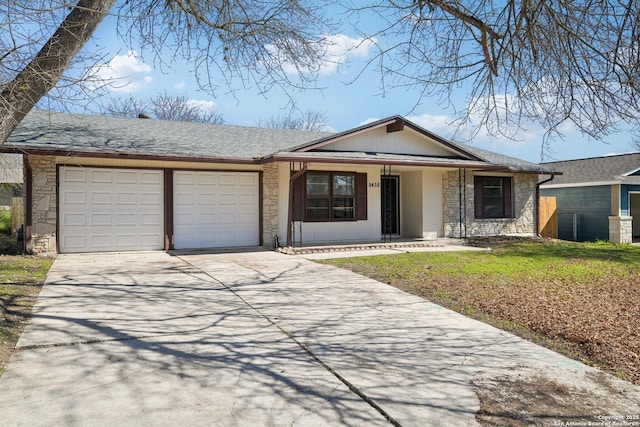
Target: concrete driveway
{"type": "Point", "coordinates": [261, 338]}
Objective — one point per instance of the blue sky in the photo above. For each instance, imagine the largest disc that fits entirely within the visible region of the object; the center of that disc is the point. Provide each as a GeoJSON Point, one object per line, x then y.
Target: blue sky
{"type": "Point", "coordinates": [347, 102]}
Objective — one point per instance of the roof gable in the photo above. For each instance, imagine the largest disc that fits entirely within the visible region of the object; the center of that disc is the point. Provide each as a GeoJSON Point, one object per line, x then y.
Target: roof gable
{"type": "Point", "coordinates": [406, 141]}
{"type": "Point", "coordinates": [393, 135]}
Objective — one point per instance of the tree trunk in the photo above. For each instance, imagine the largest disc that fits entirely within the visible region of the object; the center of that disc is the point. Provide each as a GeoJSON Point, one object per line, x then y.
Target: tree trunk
{"type": "Point", "coordinates": [47, 67]}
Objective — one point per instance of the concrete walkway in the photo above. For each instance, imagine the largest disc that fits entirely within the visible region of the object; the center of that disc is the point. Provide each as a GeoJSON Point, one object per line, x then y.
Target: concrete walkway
{"type": "Point", "coordinates": [261, 338]}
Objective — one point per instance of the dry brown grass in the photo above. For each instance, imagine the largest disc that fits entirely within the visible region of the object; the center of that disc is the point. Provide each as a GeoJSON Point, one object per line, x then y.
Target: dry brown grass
{"type": "Point", "coordinates": [579, 299]}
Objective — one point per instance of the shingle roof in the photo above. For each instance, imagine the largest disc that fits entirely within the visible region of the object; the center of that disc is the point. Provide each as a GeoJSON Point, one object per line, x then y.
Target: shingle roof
{"type": "Point", "coordinates": [511, 162]}
{"type": "Point", "coordinates": [64, 133]}
{"type": "Point", "coordinates": [45, 130]}
{"type": "Point", "coordinates": [595, 169]}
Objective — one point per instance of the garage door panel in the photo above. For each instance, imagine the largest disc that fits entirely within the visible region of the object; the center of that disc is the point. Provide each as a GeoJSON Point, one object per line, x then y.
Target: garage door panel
{"type": "Point", "coordinates": [73, 243]}
{"type": "Point", "coordinates": [73, 197]}
{"type": "Point", "coordinates": [127, 177]}
{"type": "Point", "coordinates": [100, 242]}
{"type": "Point", "coordinates": [101, 176]}
{"type": "Point", "coordinates": [101, 198]}
{"type": "Point", "coordinates": [207, 179]}
{"type": "Point", "coordinates": [73, 175]}
{"type": "Point", "coordinates": [110, 210]}
{"type": "Point", "coordinates": [151, 199]}
{"type": "Point", "coordinates": [126, 219]}
{"type": "Point", "coordinates": [247, 199]}
{"type": "Point", "coordinates": [100, 219]}
{"type": "Point", "coordinates": [127, 240]}
{"type": "Point", "coordinates": [151, 219]}
{"type": "Point", "coordinates": [127, 198]}
{"type": "Point", "coordinates": [226, 213]}
{"type": "Point", "coordinates": [74, 220]}
{"type": "Point", "coordinates": [248, 180]}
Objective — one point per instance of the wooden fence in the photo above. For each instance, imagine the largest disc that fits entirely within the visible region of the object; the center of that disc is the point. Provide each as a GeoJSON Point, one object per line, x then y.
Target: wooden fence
{"type": "Point", "coordinates": [17, 213]}
{"type": "Point", "coordinates": [548, 217]}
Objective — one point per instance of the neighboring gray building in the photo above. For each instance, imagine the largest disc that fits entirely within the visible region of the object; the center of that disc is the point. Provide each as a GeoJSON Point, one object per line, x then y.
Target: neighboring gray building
{"type": "Point", "coordinates": [597, 198]}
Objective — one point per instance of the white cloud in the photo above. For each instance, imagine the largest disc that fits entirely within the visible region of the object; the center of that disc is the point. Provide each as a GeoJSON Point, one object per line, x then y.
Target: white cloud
{"type": "Point", "coordinates": [369, 120]}
{"type": "Point", "coordinates": [180, 85]}
{"type": "Point", "coordinates": [124, 73]}
{"type": "Point", "coordinates": [440, 125]}
{"type": "Point", "coordinates": [339, 48]}
{"type": "Point", "coordinates": [335, 49]}
{"type": "Point", "coordinates": [208, 106]}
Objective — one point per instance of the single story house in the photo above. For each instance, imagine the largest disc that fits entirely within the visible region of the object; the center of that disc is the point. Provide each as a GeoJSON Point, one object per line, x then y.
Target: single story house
{"type": "Point", "coordinates": [97, 183]}
{"type": "Point", "coordinates": [597, 198]}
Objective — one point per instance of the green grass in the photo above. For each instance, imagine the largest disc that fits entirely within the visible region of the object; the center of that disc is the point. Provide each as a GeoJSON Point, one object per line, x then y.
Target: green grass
{"type": "Point", "coordinates": [21, 279]}
{"type": "Point", "coordinates": [582, 299]}
{"type": "Point", "coordinates": [5, 222]}
{"type": "Point", "coordinates": [553, 260]}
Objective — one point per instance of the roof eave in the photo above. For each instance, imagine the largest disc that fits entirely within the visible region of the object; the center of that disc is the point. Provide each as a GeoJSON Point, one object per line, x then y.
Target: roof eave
{"type": "Point", "coordinates": [127, 156]}
{"type": "Point", "coordinates": [363, 161]}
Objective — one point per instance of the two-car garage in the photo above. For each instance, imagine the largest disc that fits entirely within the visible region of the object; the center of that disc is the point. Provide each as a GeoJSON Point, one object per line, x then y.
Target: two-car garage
{"type": "Point", "coordinates": [118, 209]}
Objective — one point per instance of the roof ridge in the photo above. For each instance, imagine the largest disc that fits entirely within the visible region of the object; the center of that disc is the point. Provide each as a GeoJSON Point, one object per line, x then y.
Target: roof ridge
{"type": "Point", "coordinates": [593, 158]}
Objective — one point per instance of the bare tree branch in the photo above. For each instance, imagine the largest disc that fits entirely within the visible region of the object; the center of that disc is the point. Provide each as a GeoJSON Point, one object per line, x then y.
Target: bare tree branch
{"type": "Point", "coordinates": [256, 41]}
{"type": "Point", "coordinates": [45, 70]}
{"type": "Point", "coordinates": [308, 120]}
{"type": "Point", "coordinates": [164, 107]}
{"type": "Point", "coordinates": [541, 63]}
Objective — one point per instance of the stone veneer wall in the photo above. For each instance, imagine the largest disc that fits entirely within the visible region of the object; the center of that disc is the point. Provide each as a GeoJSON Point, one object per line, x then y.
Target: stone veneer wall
{"type": "Point", "coordinates": [621, 229]}
{"type": "Point", "coordinates": [43, 235]}
{"type": "Point", "coordinates": [269, 204]}
{"type": "Point", "coordinates": [524, 191]}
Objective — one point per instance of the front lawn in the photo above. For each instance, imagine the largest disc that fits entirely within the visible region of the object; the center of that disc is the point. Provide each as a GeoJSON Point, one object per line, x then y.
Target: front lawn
{"type": "Point", "coordinates": [580, 299]}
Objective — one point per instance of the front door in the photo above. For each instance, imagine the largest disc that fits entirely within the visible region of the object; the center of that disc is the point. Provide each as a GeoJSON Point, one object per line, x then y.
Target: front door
{"type": "Point", "coordinates": [390, 204]}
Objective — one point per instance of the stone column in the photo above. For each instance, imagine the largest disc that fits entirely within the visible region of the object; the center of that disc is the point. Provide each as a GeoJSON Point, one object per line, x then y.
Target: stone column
{"type": "Point", "coordinates": [269, 204]}
{"type": "Point", "coordinates": [620, 229]}
{"type": "Point", "coordinates": [44, 204]}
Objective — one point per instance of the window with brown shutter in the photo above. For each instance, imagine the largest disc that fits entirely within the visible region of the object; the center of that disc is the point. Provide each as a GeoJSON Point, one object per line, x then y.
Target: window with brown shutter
{"type": "Point", "coordinates": [330, 196]}
{"type": "Point", "coordinates": [492, 196]}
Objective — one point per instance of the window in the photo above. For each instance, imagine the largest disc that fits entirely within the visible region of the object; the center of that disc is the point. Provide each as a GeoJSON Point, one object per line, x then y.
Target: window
{"type": "Point", "coordinates": [330, 196]}
{"type": "Point", "coordinates": [318, 197]}
{"type": "Point", "coordinates": [493, 197]}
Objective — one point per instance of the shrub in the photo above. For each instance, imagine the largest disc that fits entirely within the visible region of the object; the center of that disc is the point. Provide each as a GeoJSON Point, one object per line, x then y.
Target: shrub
{"type": "Point", "coordinates": [5, 222]}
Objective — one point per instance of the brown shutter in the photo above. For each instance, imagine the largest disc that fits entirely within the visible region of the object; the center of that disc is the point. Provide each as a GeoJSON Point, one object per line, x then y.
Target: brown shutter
{"type": "Point", "coordinates": [298, 198]}
{"type": "Point", "coordinates": [477, 193]}
{"type": "Point", "coordinates": [508, 203]}
{"type": "Point", "coordinates": [361, 196]}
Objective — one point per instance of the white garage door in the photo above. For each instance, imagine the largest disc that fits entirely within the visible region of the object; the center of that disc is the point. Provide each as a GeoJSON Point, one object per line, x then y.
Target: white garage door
{"type": "Point", "coordinates": [215, 209]}
{"type": "Point", "coordinates": [110, 210]}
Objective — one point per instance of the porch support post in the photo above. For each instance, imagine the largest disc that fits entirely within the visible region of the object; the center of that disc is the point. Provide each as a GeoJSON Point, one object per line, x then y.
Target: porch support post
{"type": "Point", "coordinates": [292, 180]}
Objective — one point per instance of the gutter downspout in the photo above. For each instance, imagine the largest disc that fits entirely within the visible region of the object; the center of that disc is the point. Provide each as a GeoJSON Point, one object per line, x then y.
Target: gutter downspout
{"type": "Point", "coordinates": [537, 215]}
{"type": "Point", "coordinates": [28, 206]}
{"type": "Point", "coordinates": [292, 180]}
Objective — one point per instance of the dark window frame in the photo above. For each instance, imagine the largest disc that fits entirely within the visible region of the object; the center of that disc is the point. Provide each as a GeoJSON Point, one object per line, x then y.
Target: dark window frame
{"type": "Point", "coordinates": [359, 197]}
{"type": "Point", "coordinates": [330, 197]}
{"type": "Point", "coordinates": [502, 206]}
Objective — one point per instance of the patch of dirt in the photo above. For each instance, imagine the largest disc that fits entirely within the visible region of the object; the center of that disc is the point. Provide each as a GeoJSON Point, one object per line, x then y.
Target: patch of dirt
{"type": "Point", "coordinates": [531, 398]}
{"type": "Point", "coordinates": [21, 279]}
{"type": "Point", "coordinates": [9, 245]}
{"type": "Point", "coordinates": [15, 311]}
